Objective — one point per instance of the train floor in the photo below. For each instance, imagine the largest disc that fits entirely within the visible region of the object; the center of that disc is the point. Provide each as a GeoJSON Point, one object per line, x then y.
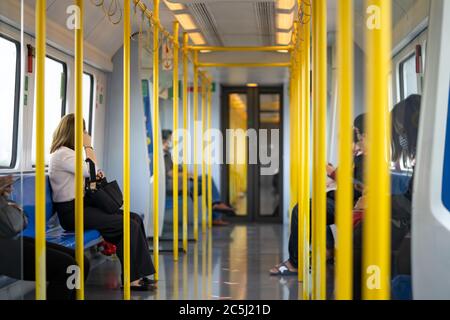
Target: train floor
{"type": "Point", "coordinates": [234, 265]}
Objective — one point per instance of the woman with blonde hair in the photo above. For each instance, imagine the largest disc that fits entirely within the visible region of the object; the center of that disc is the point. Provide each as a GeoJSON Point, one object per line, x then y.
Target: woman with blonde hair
{"type": "Point", "coordinates": [110, 226]}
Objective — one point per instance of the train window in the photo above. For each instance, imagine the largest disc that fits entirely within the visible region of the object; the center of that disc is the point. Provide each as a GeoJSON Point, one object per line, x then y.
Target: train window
{"type": "Point", "coordinates": [88, 100]}
{"type": "Point", "coordinates": [9, 97]}
{"type": "Point", "coordinates": [55, 101]}
{"type": "Point", "coordinates": [408, 77]}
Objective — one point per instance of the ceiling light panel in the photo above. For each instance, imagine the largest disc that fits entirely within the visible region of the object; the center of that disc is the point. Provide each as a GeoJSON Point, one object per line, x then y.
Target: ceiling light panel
{"type": "Point", "coordinates": [197, 38]}
{"type": "Point", "coordinates": [285, 21]}
{"type": "Point", "coordinates": [284, 38]}
{"type": "Point", "coordinates": [186, 21]}
{"type": "Point", "coordinates": [174, 6]}
{"type": "Point", "coordinates": [287, 5]}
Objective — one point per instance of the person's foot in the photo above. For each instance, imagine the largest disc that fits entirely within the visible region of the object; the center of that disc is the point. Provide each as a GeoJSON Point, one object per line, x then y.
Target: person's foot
{"type": "Point", "coordinates": [220, 223]}
{"type": "Point", "coordinates": [143, 285]}
{"type": "Point", "coordinates": [222, 206]}
{"type": "Point", "coordinates": [146, 280]}
{"type": "Point", "coordinates": [285, 268]}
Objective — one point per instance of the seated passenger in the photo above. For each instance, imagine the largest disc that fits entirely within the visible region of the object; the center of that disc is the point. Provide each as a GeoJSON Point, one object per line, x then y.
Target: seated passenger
{"type": "Point", "coordinates": [290, 267]}
{"type": "Point", "coordinates": [405, 127]}
{"type": "Point", "coordinates": [62, 179]}
{"type": "Point", "coordinates": [17, 254]}
{"type": "Point", "coordinates": [218, 205]}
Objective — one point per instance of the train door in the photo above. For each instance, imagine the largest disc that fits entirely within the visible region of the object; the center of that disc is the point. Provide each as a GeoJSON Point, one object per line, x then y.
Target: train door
{"type": "Point", "coordinates": [252, 169]}
{"type": "Point", "coordinates": [431, 201]}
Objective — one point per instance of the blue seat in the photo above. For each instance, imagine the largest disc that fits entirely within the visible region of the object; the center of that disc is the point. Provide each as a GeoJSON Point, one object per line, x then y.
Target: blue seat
{"type": "Point", "coordinates": [24, 194]}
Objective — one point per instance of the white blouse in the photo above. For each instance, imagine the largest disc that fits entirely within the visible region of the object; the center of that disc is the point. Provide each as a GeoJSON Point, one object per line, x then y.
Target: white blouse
{"type": "Point", "coordinates": [62, 174]}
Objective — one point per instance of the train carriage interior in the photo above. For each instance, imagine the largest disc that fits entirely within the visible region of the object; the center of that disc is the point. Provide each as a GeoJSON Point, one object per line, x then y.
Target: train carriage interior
{"type": "Point", "coordinates": [224, 149]}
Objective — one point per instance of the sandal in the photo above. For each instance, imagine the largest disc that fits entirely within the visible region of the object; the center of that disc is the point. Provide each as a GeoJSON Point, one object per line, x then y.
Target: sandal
{"type": "Point", "coordinates": [283, 270]}
{"type": "Point", "coordinates": [148, 281]}
{"type": "Point", "coordinates": [145, 285]}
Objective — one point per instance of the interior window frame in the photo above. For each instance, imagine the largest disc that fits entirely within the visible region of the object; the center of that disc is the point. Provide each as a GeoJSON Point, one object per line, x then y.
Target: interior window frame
{"type": "Point", "coordinates": [91, 101]}
{"type": "Point", "coordinates": [401, 74]}
{"type": "Point", "coordinates": [15, 141]}
{"type": "Point", "coordinates": [64, 97]}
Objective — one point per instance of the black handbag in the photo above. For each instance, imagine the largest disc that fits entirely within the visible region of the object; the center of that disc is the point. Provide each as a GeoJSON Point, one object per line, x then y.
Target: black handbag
{"type": "Point", "coordinates": [102, 194]}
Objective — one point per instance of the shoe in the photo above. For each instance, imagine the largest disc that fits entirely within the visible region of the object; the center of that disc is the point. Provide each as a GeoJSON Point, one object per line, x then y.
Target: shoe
{"type": "Point", "coordinates": [222, 206]}
{"type": "Point", "coordinates": [220, 223]}
{"type": "Point", "coordinates": [143, 286]}
{"type": "Point", "coordinates": [149, 281]}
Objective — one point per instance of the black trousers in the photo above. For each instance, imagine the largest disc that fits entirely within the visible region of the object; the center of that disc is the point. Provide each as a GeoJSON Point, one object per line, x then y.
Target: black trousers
{"type": "Point", "coordinates": [17, 260]}
{"type": "Point", "coordinates": [110, 227]}
{"type": "Point", "coordinates": [293, 238]}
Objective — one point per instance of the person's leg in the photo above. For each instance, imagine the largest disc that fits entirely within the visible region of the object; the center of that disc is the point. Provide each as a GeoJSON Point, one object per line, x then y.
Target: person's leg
{"type": "Point", "coordinates": [357, 261]}
{"type": "Point", "coordinates": [58, 261]}
{"type": "Point", "coordinates": [216, 215]}
{"type": "Point", "coordinates": [293, 238]}
{"type": "Point", "coordinates": [292, 263]}
{"type": "Point", "coordinates": [11, 258]}
{"type": "Point", "coordinates": [331, 206]}
{"type": "Point", "coordinates": [215, 193]}
{"type": "Point", "coordinates": [141, 261]}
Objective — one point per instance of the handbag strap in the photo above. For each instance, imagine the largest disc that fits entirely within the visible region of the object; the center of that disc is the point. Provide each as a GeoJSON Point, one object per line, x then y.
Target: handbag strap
{"type": "Point", "coordinates": [91, 182]}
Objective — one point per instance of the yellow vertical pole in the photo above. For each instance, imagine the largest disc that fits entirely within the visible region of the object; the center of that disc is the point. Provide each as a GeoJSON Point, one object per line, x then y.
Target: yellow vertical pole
{"type": "Point", "coordinates": [79, 183]}
{"type": "Point", "coordinates": [156, 137]}
{"type": "Point", "coordinates": [210, 211]}
{"type": "Point", "coordinates": [204, 123]}
{"type": "Point", "coordinates": [319, 19]}
{"type": "Point", "coordinates": [40, 265]}
{"type": "Point", "coordinates": [299, 144]}
{"type": "Point", "coordinates": [126, 150]}
{"type": "Point", "coordinates": [195, 146]}
{"type": "Point", "coordinates": [344, 195]}
{"type": "Point", "coordinates": [294, 134]}
{"type": "Point", "coordinates": [304, 208]}
{"type": "Point", "coordinates": [376, 233]}
{"type": "Point", "coordinates": [176, 28]}
{"type": "Point", "coordinates": [185, 140]}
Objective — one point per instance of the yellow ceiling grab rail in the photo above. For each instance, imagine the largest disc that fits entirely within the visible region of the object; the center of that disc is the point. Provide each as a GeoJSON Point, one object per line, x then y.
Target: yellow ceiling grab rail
{"type": "Point", "coordinates": [242, 49]}
{"type": "Point", "coordinates": [244, 65]}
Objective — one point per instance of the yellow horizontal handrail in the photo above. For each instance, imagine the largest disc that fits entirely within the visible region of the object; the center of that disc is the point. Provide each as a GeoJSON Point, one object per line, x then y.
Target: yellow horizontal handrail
{"type": "Point", "coordinates": [244, 65]}
{"type": "Point", "coordinates": [155, 21]}
{"type": "Point", "coordinates": [242, 49]}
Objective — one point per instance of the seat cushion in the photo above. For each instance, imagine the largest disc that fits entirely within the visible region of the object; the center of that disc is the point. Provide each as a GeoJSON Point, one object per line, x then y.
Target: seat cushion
{"type": "Point", "coordinates": [67, 239]}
